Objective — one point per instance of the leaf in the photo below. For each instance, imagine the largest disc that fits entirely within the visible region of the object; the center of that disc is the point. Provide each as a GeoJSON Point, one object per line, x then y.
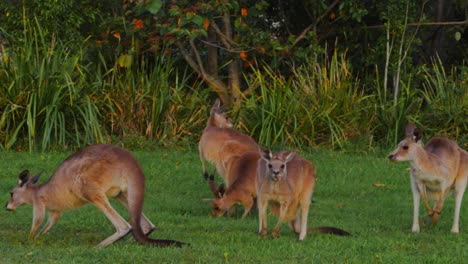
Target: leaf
{"type": "Point", "coordinates": [206, 23]}
{"type": "Point", "coordinates": [154, 6]}
{"type": "Point", "coordinates": [457, 36]}
{"type": "Point", "coordinates": [378, 184]}
{"type": "Point", "coordinates": [237, 22]}
{"type": "Point", "coordinates": [190, 15]}
{"type": "Point", "coordinates": [125, 60]}
{"type": "Point", "coordinates": [198, 20]}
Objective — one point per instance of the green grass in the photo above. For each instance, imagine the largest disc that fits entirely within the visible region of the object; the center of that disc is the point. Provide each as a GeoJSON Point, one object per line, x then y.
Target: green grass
{"type": "Point", "coordinates": [378, 217]}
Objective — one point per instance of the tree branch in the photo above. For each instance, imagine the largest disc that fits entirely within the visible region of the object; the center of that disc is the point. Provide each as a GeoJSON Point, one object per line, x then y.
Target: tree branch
{"type": "Point", "coordinates": [215, 83]}
{"type": "Point", "coordinates": [188, 59]}
{"type": "Point", "coordinates": [307, 29]}
{"type": "Point", "coordinates": [199, 61]}
{"type": "Point", "coordinates": [329, 9]}
{"type": "Point", "coordinates": [224, 39]}
{"type": "Point", "coordinates": [430, 24]}
{"type": "Point", "coordinates": [228, 50]}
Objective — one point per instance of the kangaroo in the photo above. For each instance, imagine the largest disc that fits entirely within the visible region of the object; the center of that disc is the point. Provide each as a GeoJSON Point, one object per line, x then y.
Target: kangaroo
{"type": "Point", "coordinates": [90, 175]}
{"type": "Point", "coordinates": [242, 170]}
{"type": "Point", "coordinates": [436, 168]}
{"type": "Point", "coordinates": [286, 182]}
{"type": "Point", "coordinates": [219, 142]}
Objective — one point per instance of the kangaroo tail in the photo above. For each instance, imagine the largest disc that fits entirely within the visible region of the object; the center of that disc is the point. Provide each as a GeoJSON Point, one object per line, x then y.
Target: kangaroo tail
{"type": "Point", "coordinates": [142, 239]}
{"type": "Point", "coordinates": [135, 205]}
{"type": "Point", "coordinates": [329, 230]}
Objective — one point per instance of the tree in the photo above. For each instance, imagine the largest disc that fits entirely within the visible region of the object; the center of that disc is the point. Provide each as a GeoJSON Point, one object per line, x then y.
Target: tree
{"type": "Point", "coordinates": [219, 39]}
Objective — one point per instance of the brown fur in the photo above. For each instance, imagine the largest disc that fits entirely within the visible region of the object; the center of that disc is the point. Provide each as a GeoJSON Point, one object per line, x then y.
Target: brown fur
{"type": "Point", "coordinates": [286, 181]}
{"type": "Point", "coordinates": [436, 168]}
{"type": "Point", "coordinates": [242, 172]}
{"type": "Point", "coordinates": [219, 142]}
{"type": "Point", "coordinates": [90, 175]}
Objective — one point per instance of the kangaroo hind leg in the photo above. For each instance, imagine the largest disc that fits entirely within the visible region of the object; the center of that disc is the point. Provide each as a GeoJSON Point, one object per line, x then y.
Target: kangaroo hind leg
{"type": "Point", "coordinates": [122, 226]}
{"type": "Point", "coordinates": [460, 187]}
{"type": "Point", "coordinates": [146, 225]}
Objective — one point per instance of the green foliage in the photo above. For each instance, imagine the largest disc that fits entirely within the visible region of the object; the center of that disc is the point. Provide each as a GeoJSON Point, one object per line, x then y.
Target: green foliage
{"type": "Point", "coordinates": [50, 99]}
{"type": "Point", "coordinates": [446, 99]}
{"type": "Point", "coordinates": [69, 20]}
{"type": "Point", "coordinates": [127, 84]}
{"type": "Point", "coordinates": [321, 105]}
{"type": "Point", "coordinates": [251, 29]}
{"type": "Point", "coordinates": [337, 109]}
{"type": "Point", "coordinates": [45, 99]}
{"type": "Point", "coordinates": [392, 116]}
{"type": "Point", "coordinates": [271, 115]}
{"type": "Point", "coordinates": [140, 101]}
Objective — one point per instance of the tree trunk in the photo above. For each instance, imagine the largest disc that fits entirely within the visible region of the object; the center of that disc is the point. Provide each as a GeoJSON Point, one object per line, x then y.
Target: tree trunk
{"type": "Point", "coordinates": [196, 64]}
{"type": "Point", "coordinates": [212, 53]}
{"type": "Point", "coordinates": [234, 83]}
{"type": "Point", "coordinates": [234, 76]}
{"type": "Point", "coordinates": [438, 32]}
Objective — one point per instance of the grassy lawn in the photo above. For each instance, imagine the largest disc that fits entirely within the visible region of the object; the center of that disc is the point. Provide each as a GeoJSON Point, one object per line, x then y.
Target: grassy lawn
{"type": "Point", "coordinates": [177, 201]}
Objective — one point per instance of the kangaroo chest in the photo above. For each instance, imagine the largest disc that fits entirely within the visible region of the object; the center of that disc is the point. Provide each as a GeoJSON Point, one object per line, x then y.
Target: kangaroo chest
{"type": "Point", "coordinates": [278, 190]}
{"type": "Point", "coordinates": [432, 182]}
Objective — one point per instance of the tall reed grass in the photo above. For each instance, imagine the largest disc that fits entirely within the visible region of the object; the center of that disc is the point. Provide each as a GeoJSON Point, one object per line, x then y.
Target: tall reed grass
{"type": "Point", "coordinates": [393, 115]}
{"type": "Point", "coordinates": [51, 97]}
{"type": "Point", "coordinates": [45, 97]}
{"type": "Point", "coordinates": [321, 105]}
{"type": "Point", "coordinates": [152, 101]}
{"type": "Point", "coordinates": [446, 102]}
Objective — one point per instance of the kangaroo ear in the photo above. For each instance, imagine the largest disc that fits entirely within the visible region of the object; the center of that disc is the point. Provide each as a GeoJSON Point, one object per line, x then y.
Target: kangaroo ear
{"type": "Point", "coordinates": [410, 129]}
{"type": "Point", "coordinates": [222, 109]}
{"type": "Point", "coordinates": [266, 154]}
{"type": "Point", "coordinates": [417, 135]}
{"type": "Point", "coordinates": [216, 105]}
{"type": "Point", "coordinates": [289, 155]}
{"type": "Point", "coordinates": [23, 177]}
{"type": "Point", "coordinates": [36, 177]}
{"type": "Point", "coordinates": [221, 190]}
{"type": "Point", "coordinates": [412, 132]}
{"type": "Point", "coordinates": [213, 187]}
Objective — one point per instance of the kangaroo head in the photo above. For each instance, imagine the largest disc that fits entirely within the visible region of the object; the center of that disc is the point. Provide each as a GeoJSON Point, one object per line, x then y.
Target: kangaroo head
{"type": "Point", "coordinates": [22, 193]}
{"type": "Point", "coordinates": [276, 164]}
{"type": "Point", "coordinates": [217, 204]}
{"type": "Point", "coordinates": [217, 207]}
{"type": "Point", "coordinates": [407, 148]}
{"type": "Point", "coordinates": [218, 191]}
{"type": "Point", "coordinates": [218, 117]}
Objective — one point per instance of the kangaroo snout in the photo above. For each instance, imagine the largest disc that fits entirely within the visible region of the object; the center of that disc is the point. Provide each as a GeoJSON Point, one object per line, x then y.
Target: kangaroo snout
{"type": "Point", "coordinates": [394, 157]}
{"type": "Point", "coordinates": [275, 176]}
{"type": "Point", "coordinates": [9, 208]}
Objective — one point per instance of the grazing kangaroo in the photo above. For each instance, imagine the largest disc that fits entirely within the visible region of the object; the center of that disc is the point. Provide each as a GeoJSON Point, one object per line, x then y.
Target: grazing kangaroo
{"type": "Point", "coordinates": [219, 142]}
{"type": "Point", "coordinates": [436, 168]}
{"type": "Point", "coordinates": [285, 182]}
{"type": "Point", "coordinates": [90, 175]}
{"type": "Point", "coordinates": [242, 170]}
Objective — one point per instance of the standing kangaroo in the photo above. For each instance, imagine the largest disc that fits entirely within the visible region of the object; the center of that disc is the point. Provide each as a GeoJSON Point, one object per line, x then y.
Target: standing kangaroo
{"type": "Point", "coordinates": [243, 171]}
{"type": "Point", "coordinates": [90, 175]}
{"type": "Point", "coordinates": [219, 142]}
{"type": "Point", "coordinates": [436, 168]}
{"type": "Point", "coordinates": [285, 182]}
